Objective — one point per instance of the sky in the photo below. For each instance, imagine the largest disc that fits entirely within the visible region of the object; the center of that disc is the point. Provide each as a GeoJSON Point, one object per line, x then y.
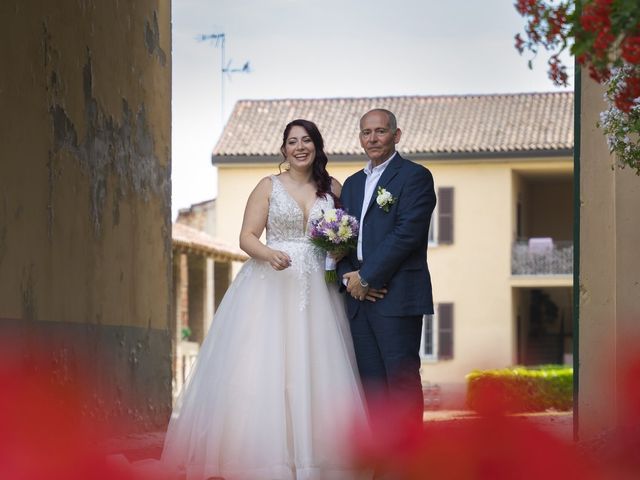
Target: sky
{"type": "Point", "coordinates": [326, 49]}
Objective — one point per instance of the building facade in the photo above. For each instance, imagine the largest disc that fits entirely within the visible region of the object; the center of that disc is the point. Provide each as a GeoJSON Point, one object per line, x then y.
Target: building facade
{"type": "Point", "coordinates": [500, 251]}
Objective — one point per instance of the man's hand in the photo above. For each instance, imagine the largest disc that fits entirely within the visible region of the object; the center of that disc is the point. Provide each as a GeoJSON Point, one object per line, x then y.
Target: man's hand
{"type": "Point", "coordinates": [354, 288]}
{"type": "Point", "coordinates": [337, 256]}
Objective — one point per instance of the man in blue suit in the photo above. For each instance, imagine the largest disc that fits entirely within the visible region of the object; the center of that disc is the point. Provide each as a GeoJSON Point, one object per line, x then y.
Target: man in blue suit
{"type": "Point", "coordinates": [387, 278]}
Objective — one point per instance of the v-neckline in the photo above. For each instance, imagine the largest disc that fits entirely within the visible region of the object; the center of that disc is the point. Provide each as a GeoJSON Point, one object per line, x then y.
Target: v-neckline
{"type": "Point", "coordinates": [305, 217]}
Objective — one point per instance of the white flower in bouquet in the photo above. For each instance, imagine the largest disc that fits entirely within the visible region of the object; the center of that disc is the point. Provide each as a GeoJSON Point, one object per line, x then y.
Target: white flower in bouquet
{"type": "Point", "coordinates": [330, 216]}
{"type": "Point", "coordinates": [344, 232]}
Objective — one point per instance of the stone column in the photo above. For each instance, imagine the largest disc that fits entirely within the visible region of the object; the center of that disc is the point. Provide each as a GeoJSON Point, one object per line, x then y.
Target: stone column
{"type": "Point", "coordinates": [85, 197]}
{"type": "Point", "coordinates": [609, 270]}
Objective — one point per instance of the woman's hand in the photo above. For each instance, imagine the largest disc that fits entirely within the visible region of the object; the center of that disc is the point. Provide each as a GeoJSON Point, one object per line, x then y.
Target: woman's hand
{"type": "Point", "coordinates": [374, 294]}
{"type": "Point", "coordinates": [279, 260]}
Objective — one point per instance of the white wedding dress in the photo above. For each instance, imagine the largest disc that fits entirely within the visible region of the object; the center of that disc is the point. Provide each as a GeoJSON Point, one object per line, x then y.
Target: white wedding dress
{"type": "Point", "coordinates": [274, 391]}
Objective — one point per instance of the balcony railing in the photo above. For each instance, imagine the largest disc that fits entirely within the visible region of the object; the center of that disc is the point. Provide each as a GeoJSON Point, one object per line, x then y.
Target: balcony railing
{"type": "Point", "coordinates": [186, 354]}
{"type": "Point", "coordinates": [542, 256]}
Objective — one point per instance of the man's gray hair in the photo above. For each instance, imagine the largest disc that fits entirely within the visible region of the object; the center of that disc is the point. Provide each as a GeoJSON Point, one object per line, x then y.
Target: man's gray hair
{"type": "Point", "coordinates": [393, 122]}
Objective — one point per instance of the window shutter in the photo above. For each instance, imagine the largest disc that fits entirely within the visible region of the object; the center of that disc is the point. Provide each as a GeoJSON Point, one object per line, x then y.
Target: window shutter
{"type": "Point", "coordinates": [427, 337]}
{"type": "Point", "coordinates": [445, 331]}
{"type": "Point", "coordinates": [445, 215]}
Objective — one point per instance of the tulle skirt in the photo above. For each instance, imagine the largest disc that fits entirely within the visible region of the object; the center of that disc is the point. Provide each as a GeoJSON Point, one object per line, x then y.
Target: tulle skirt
{"type": "Point", "coordinates": [274, 393]}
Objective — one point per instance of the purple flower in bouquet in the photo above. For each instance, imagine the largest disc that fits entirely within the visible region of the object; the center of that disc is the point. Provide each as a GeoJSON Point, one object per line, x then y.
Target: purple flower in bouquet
{"type": "Point", "coordinates": [336, 232]}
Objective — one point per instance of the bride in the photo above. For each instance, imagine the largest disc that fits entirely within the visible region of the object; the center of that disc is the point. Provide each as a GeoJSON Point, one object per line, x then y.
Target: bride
{"type": "Point", "coordinates": [274, 391]}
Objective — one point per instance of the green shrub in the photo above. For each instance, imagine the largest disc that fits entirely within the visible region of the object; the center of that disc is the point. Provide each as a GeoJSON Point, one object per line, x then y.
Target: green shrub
{"type": "Point", "coordinates": [521, 389]}
{"type": "Point", "coordinates": [185, 333]}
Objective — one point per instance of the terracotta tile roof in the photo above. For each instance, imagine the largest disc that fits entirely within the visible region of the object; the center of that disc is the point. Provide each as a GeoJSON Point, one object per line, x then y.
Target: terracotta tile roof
{"type": "Point", "coordinates": [191, 239]}
{"type": "Point", "coordinates": [432, 125]}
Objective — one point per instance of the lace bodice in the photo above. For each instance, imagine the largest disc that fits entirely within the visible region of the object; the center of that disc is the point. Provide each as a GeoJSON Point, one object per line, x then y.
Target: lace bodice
{"type": "Point", "coordinates": [287, 231]}
{"type": "Point", "coordinates": [286, 219]}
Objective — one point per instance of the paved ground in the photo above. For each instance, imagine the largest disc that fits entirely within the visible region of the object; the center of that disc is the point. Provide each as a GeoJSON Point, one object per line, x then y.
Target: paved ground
{"type": "Point", "coordinates": [557, 423]}
{"type": "Point", "coordinates": [149, 445]}
{"type": "Point", "coordinates": [137, 447]}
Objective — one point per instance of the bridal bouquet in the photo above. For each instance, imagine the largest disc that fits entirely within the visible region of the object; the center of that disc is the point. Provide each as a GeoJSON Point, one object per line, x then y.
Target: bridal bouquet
{"type": "Point", "coordinates": [336, 232]}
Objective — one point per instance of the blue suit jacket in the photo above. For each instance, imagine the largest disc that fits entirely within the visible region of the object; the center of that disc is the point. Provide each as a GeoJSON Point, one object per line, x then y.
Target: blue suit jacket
{"type": "Point", "coordinates": [394, 243]}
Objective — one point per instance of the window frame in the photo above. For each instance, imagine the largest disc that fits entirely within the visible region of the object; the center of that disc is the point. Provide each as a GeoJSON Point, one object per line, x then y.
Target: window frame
{"type": "Point", "coordinates": [433, 322]}
{"type": "Point", "coordinates": [433, 229]}
{"type": "Point", "coordinates": [433, 356]}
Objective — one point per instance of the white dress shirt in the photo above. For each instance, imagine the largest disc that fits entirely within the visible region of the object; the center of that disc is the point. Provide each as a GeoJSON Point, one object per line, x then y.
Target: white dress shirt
{"type": "Point", "coordinates": [373, 175]}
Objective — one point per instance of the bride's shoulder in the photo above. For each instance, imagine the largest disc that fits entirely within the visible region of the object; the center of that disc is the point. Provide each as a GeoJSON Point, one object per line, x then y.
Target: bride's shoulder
{"type": "Point", "coordinates": [265, 182]}
{"type": "Point", "coordinates": [263, 188]}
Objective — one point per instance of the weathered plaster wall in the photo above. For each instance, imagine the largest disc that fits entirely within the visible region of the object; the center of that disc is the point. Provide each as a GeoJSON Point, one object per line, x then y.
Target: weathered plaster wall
{"type": "Point", "coordinates": [85, 234]}
{"type": "Point", "coordinates": [609, 271]}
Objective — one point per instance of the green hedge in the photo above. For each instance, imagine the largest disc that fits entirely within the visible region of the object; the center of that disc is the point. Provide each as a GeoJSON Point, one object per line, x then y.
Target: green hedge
{"type": "Point", "coordinates": [521, 389]}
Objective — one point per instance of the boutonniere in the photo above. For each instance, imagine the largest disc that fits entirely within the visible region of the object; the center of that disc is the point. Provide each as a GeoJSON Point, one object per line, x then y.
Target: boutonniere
{"type": "Point", "coordinates": [385, 199]}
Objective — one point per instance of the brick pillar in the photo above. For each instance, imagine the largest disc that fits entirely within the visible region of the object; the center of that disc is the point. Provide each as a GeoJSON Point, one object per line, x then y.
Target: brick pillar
{"type": "Point", "coordinates": [182, 288]}
{"type": "Point", "coordinates": [197, 289]}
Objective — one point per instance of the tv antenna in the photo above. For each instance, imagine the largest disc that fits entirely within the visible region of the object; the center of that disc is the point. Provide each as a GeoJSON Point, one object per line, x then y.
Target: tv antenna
{"type": "Point", "coordinates": [218, 39]}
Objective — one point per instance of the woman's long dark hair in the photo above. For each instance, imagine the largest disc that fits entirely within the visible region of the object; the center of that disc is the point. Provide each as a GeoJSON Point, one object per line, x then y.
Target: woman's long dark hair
{"type": "Point", "coordinates": [319, 172]}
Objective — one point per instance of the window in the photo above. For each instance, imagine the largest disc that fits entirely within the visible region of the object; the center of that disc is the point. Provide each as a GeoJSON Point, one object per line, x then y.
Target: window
{"type": "Point", "coordinates": [445, 331]}
{"type": "Point", "coordinates": [432, 227]}
{"type": "Point", "coordinates": [437, 334]}
{"type": "Point", "coordinates": [441, 226]}
{"type": "Point", "coordinates": [428, 346]}
{"type": "Point", "coordinates": [445, 215]}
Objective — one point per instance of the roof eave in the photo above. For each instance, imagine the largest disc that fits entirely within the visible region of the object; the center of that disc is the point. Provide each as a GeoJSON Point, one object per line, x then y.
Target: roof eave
{"type": "Point", "coordinates": [435, 156]}
{"type": "Point", "coordinates": [207, 251]}
{"type": "Point", "coordinates": [487, 155]}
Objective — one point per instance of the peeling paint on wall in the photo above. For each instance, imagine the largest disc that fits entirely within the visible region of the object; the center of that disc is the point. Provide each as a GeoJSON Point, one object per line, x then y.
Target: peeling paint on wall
{"type": "Point", "coordinates": [85, 225]}
{"type": "Point", "coordinates": [123, 147]}
{"type": "Point", "coordinates": [63, 365]}
{"type": "Point", "coordinates": [50, 185]}
{"type": "Point", "coordinates": [3, 225]}
{"type": "Point", "coordinates": [584, 294]}
{"type": "Point", "coordinates": [152, 39]}
{"type": "Point", "coordinates": [28, 293]}
{"type": "Point", "coordinates": [135, 397]}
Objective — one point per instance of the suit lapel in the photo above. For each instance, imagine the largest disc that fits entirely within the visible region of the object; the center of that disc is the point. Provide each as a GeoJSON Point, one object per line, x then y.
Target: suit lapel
{"type": "Point", "coordinates": [389, 172]}
{"type": "Point", "coordinates": [358, 194]}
